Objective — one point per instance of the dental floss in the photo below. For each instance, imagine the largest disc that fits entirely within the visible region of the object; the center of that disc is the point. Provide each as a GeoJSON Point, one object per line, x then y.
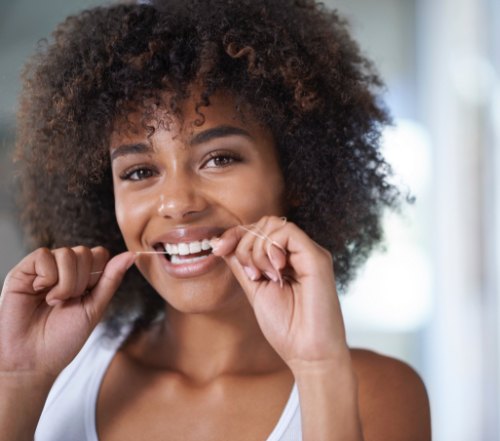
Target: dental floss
{"type": "Point", "coordinates": [262, 235]}
{"type": "Point", "coordinates": [137, 253]}
{"type": "Point", "coordinates": [259, 233]}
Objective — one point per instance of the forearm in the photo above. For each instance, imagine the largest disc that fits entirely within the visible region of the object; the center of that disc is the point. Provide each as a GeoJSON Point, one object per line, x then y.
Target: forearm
{"type": "Point", "coordinates": [328, 401]}
{"type": "Point", "coordinates": [22, 397]}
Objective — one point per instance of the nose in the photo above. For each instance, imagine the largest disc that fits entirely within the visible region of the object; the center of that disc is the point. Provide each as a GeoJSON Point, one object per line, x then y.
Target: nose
{"type": "Point", "coordinates": [180, 198]}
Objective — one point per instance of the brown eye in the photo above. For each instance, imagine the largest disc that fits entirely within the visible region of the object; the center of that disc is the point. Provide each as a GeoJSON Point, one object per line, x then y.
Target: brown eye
{"type": "Point", "coordinates": [138, 174]}
{"type": "Point", "coordinates": [222, 159]}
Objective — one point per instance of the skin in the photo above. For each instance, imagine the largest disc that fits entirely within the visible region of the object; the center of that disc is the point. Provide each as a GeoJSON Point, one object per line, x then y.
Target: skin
{"type": "Point", "coordinates": [263, 315]}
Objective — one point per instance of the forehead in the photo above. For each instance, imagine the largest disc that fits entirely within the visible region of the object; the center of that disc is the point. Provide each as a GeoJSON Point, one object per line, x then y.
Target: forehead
{"type": "Point", "coordinates": [190, 117]}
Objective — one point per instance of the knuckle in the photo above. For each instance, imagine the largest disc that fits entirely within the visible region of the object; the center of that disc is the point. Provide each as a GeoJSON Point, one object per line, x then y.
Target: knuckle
{"type": "Point", "coordinates": [65, 253]}
{"type": "Point", "coordinates": [241, 254]}
{"type": "Point", "coordinates": [100, 255]}
{"type": "Point", "coordinates": [41, 253]}
{"type": "Point", "coordinates": [99, 250]}
{"type": "Point", "coordinates": [275, 219]}
{"type": "Point", "coordinates": [259, 252]}
{"type": "Point", "coordinates": [81, 250]}
{"type": "Point", "coordinates": [264, 220]}
{"type": "Point", "coordinates": [83, 253]}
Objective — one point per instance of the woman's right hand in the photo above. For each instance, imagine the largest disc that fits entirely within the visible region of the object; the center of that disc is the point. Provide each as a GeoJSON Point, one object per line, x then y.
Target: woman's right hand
{"type": "Point", "coordinates": [50, 303]}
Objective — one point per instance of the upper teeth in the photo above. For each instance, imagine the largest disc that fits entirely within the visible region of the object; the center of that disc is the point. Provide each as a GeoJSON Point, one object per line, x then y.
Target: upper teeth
{"type": "Point", "coordinates": [185, 248]}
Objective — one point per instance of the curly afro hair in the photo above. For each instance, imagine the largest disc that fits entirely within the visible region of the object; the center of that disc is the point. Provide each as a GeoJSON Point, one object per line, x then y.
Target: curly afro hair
{"type": "Point", "coordinates": [292, 61]}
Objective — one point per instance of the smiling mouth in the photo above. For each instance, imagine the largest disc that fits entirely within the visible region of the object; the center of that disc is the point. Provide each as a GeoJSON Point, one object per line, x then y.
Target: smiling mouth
{"type": "Point", "coordinates": [185, 252]}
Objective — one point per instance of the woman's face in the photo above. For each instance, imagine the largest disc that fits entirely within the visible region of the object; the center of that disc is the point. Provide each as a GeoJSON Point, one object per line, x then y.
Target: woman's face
{"type": "Point", "coordinates": [186, 184]}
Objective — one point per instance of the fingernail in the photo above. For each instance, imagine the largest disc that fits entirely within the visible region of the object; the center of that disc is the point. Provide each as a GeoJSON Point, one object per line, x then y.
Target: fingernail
{"type": "Point", "coordinates": [273, 261]}
{"type": "Point", "coordinates": [250, 272]}
{"type": "Point", "coordinates": [273, 249]}
{"type": "Point", "coordinates": [271, 276]}
{"type": "Point", "coordinates": [54, 302]}
{"type": "Point", "coordinates": [39, 288]}
{"type": "Point", "coordinates": [280, 278]}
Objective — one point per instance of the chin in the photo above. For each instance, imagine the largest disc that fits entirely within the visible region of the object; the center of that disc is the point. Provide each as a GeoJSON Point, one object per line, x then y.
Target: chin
{"type": "Point", "coordinates": [198, 296]}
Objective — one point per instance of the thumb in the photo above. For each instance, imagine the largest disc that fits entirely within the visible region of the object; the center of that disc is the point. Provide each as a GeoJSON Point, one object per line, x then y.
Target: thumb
{"type": "Point", "coordinates": [109, 282]}
{"type": "Point", "coordinates": [244, 278]}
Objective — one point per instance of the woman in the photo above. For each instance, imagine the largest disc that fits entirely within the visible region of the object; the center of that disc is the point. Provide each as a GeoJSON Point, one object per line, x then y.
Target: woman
{"type": "Point", "coordinates": [226, 155]}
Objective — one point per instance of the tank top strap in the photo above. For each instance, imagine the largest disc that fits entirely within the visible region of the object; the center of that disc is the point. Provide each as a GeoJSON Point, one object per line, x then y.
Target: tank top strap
{"type": "Point", "coordinates": [288, 427]}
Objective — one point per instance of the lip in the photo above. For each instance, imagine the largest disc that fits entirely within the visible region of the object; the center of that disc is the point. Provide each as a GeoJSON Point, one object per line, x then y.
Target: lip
{"type": "Point", "coordinates": [190, 234]}
{"type": "Point", "coordinates": [188, 270]}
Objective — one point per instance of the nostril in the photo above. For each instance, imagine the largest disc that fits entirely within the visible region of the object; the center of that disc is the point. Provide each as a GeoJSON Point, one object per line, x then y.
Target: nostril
{"type": "Point", "coordinates": [180, 201]}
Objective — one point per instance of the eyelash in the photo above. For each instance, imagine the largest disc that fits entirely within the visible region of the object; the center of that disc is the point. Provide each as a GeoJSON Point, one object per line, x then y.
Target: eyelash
{"type": "Point", "coordinates": [148, 172]}
{"type": "Point", "coordinates": [230, 157]}
{"type": "Point", "coordinates": [127, 174]}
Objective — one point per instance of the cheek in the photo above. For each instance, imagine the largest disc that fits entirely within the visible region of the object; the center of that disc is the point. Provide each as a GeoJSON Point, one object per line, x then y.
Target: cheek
{"type": "Point", "coordinates": [270, 189]}
{"type": "Point", "coordinates": [132, 214]}
{"type": "Point", "coordinates": [255, 196]}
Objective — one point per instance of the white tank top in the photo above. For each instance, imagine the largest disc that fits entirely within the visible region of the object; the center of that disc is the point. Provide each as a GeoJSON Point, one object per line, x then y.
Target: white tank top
{"type": "Point", "coordinates": [70, 410]}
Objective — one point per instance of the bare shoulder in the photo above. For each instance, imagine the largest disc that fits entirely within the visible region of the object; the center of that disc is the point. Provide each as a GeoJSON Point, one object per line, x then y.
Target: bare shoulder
{"type": "Point", "coordinates": [393, 400]}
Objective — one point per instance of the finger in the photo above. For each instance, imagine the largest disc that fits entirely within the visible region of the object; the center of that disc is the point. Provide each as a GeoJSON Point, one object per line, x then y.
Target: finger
{"type": "Point", "coordinates": [303, 256]}
{"type": "Point", "coordinates": [277, 259]}
{"type": "Point", "coordinates": [35, 273]}
{"type": "Point", "coordinates": [83, 266]}
{"type": "Point", "coordinates": [67, 276]}
{"type": "Point", "coordinates": [228, 242]}
{"type": "Point", "coordinates": [244, 251]}
{"type": "Point", "coordinates": [250, 243]}
{"type": "Point", "coordinates": [276, 256]}
{"type": "Point", "coordinates": [113, 274]}
{"type": "Point", "coordinates": [248, 284]}
{"type": "Point", "coordinates": [225, 245]}
{"type": "Point", "coordinates": [259, 252]}
{"type": "Point", "coordinates": [100, 257]}
{"type": "Point", "coordinates": [43, 266]}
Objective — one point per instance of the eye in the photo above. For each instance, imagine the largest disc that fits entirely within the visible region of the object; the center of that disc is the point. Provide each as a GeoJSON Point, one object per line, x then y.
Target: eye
{"type": "Point", "coordinates": [138, 174]}
{"type": "Point", "coordinates": [222, 159]}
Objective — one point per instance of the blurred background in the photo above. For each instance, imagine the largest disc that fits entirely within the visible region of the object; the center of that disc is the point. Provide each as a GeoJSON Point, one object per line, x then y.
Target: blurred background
{"type": "Point", "coordinates": [431, 296]}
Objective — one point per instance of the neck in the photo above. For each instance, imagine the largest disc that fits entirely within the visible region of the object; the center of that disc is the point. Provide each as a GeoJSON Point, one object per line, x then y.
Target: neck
{"type": "Point", "coordinates": [203, 347]}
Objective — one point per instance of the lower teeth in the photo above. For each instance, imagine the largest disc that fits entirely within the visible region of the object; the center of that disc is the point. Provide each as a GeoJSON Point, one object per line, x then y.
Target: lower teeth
{"type": "Point", "coordinates": [177, 260]}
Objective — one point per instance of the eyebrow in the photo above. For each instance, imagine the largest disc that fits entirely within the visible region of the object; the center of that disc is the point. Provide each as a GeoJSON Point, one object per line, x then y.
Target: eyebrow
{"type": "Point", "coordinates": [128, 149]}
{"type": "Point", "coordinates": [218, 132]}
{"type": "Point", "coordinates": [199, 138]}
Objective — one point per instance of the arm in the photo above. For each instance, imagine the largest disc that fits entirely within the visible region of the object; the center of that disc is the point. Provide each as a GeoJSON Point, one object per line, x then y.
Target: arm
{"type": "Point", "coordinates": [343, 397]}
{"type": "Point", "coordinates": [297, 308]}
{"type": "Point", "coordinates": [329, 401]}
{"type": "Point", "coordinates": [384, 396]}
{"type": "Point", "coordinates": [22, 397]}
{"type": "Point", "coordinates": [50, 303]}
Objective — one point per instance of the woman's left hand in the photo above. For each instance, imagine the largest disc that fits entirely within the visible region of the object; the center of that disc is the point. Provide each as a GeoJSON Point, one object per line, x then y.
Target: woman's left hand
{"type": "Point", "coordinates": [289, 281]}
